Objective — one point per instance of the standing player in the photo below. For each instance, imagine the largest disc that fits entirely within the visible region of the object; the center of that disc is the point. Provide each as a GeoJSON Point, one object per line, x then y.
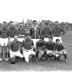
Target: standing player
{"type": "Point", "coordinates": [57, 32]}
{"type": "Point", "coordinates": [60, 50]}
{"type": "Point", "coordinates": [46, 33]}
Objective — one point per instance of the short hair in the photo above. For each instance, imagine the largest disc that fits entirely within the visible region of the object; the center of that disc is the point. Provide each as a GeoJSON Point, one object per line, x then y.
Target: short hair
{"type": "Point", "coordinates": [57, 39]}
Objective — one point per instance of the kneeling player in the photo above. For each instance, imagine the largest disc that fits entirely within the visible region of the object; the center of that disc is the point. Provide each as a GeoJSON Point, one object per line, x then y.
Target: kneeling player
{"type": "Point", "coordinates": [50, 48]}
{"type": "Point", "coordinates": [60, 50]}
{"type": "Point", "coordinates": [28, 48]}
{"type": "Point", "coordinates": [15, 50]}
{"type": "Point", "coordinates": [41, 49]}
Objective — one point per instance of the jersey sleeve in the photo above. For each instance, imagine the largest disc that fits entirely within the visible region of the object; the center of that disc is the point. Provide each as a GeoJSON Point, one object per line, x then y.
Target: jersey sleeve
{"type": "Point", "coordinates": [62, 46]}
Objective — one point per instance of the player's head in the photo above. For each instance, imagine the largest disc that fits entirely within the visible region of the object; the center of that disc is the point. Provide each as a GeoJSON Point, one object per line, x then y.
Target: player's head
{"type": "Point", "coordinates": [28, 36]}
{"type": "Point", "coordinates": [51, 39]}
{"type": "Point", "coordinates": [58, 41]}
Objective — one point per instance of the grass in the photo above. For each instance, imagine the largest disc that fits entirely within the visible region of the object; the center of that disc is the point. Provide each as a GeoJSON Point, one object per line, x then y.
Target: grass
{"type": "Point", "coordinates": [43, 65]}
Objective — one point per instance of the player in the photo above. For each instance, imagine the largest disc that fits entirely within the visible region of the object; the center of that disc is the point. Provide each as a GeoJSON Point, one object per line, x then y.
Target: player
{"type": "Point", "coordinates": [57, 32]}
{"type": "Point", "coordinates": [41, 48]}
{"type": "Point", "coordinates": [60, 50]}
{"type": "Point", "coordinates": [46, 33]}
{"type": "Point", "coordinates": [15, 50]}
{"type": "Point", "coordinates": [28, 48]}
{"type": "Point", "coordinates": [50, 48]}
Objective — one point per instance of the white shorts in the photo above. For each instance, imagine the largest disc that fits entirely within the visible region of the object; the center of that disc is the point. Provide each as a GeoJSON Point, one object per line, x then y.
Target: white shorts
{"type": "Point", "coordinates": [54, 39]}
{"type": "Point", "coordinates": [58, 53]}
{"type": "Point", "coordinates": [27, 54]}
{"type": "Point", "coordinates": [13, 54]}
{"type": "Point", "coordinates": [35, 40]}
{"type": "Point", "coordinates": [46, 39]}
{"type": "Point", "coordinates": [49, 52]}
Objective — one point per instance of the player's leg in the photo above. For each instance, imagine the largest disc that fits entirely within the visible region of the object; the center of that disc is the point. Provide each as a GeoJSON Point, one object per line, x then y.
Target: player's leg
{"type": "Point", "coordinates": [26, 55]}
{"type": "Point", "coordinates": [18, 54]}
{"type": "Point", "coordinates": [65, 54]}
{"type": "Point", "coordinates": [44, 55]}
{"type": "Point", "coordinates": [6, 54]}
{"type": "Point", "coordinates": [1, 55]}
{"type": "Point", "coordinates": [32, 55]}
{"type": "Point", "coordinates": [49, 54]}
{"type": "Point", "coordinates": [12, 57]}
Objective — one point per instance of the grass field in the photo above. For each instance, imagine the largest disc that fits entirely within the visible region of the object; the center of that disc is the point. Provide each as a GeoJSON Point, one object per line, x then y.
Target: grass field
{"type": "Point", "coordinates": [44, 65]}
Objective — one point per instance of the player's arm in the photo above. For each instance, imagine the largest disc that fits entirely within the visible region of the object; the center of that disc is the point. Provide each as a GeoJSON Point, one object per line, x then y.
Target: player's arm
{"type": "Point", "coordinates": [11, 45]}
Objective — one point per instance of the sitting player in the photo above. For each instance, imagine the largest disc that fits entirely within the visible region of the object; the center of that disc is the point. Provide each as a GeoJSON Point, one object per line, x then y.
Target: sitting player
{"type": "Point", "coordinates": [15, 50]}
{"type": "Point", "coordinates": [60, 50]}
{"type": "Point", "coordinates": [28, 48]}
{"type": "Point", "coordinates": [50, 48]}
{"type": "Point", "coordinates": [41, 49]}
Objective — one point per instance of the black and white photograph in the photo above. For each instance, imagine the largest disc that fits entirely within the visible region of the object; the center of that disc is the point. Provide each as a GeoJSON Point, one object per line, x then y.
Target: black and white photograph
{"type": "Point", "coordinates": [35, 35]}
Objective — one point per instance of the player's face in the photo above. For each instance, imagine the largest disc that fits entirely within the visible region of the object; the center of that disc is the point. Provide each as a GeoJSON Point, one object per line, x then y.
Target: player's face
{"type": "Point", "coordinates": [58, 42]}
{"type": "Point", "coordinates": [28, 37]}
{"type": "Point", "coordinates": [15, 39]}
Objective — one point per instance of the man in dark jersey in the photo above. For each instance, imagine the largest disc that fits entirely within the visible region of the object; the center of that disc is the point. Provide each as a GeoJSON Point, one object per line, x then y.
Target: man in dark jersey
{"type": "Point", "coordinates": [41, 48]}
{"type": "Point", "coordinates": [50, 48]}
{"type": "Point", "coordinates": [57, 32]}
{"type": "Point", "coordinates": [28, 47]}
{"type": "Point", "coordinates": [60, 50]}
{"type": "Point", "coordinates": [15, 50]}
{"type": "Point", "coordinates": [46, 33]}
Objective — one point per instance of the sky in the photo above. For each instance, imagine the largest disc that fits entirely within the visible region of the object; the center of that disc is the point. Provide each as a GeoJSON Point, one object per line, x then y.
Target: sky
{"type": "Point", "coordinates": [54, 10]}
